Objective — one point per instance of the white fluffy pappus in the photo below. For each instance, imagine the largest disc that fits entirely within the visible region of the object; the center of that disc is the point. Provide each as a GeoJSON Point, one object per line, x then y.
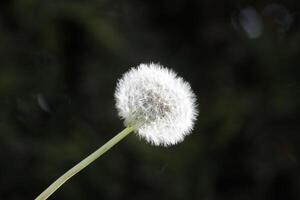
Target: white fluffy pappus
{"type": "Point", "coordinates": [160, 105]}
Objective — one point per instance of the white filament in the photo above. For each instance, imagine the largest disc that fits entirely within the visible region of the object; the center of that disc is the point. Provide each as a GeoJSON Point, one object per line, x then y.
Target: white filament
{"type": "Point", "coordinates": [158, 103]}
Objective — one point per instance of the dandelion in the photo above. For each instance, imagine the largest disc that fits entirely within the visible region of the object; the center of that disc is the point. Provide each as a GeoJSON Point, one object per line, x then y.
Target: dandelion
{"type": "Point", "coordinates": [158, 104]}
{"type": "Point", "coordinates": [154, 103]}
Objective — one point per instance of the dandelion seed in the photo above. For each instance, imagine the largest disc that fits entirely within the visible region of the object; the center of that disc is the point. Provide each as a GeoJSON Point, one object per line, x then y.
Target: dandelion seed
{"type": "Point", "coordinates": [158, 103]}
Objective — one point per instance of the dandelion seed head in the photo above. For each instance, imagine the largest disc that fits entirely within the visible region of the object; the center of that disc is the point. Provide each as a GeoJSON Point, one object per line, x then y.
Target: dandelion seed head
{"type": "Point", "coordinates": [157, 103]}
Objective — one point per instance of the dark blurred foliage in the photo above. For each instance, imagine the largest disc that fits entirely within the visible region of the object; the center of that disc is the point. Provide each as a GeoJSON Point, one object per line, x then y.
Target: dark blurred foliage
{"type": "Point", "coordinates": [59, 62]}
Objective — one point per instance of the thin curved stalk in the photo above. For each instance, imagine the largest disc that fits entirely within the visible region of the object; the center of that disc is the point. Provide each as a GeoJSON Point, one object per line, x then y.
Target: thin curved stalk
{"type": "Point", "coordinates": [84, 163]}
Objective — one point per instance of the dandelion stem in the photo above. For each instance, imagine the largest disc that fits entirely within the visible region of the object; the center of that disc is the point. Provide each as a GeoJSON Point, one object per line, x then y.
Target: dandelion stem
{"type": "Point", "coordinates": [84, 163]}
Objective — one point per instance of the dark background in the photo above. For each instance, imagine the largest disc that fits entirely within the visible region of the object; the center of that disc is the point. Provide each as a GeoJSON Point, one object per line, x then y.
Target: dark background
{"type": "Point", "coordinates": [59, 63]}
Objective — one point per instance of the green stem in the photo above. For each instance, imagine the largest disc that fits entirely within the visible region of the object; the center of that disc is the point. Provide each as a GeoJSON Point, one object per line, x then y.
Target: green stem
{"type": "Point", "coordinates": [81, 165]}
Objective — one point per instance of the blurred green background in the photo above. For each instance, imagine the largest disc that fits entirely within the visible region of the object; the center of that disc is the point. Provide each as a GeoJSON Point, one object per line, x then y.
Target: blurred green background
{"type": "Point", "coordinates": [59, 63]}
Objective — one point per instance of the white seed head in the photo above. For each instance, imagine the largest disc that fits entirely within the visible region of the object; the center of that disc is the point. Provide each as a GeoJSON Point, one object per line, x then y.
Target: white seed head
{"type": "Point", "coordinates": [157, 103]}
